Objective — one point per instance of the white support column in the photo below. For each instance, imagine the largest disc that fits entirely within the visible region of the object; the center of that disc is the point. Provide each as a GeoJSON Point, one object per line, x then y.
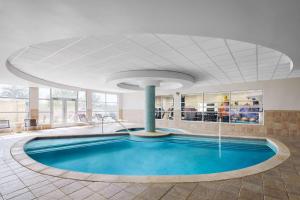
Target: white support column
{"type": "Point", "coordinates": [34, 103]}
{"type": "Point", "coordinates": [120, 107]}
{"type": "Point", "coordinates": [89, 105]}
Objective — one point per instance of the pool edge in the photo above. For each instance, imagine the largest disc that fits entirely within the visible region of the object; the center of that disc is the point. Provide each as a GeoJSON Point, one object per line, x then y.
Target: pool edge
{"type": "Point", "coordinates": [18, 153]}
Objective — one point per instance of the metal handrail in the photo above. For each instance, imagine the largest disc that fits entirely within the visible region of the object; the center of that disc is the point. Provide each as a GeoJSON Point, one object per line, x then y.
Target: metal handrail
{"type": "Point", "coordinates": [102, 128]}
{"type": "Point", "coordinates": [122, 125]}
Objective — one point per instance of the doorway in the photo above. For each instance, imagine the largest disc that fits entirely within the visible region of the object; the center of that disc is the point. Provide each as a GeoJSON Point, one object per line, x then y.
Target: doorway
{"type": "Point", "coordinates": [64, 110]}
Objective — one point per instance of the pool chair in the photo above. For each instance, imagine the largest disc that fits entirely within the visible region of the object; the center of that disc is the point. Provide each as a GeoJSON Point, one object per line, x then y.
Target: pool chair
{"type": "Point", "coordinates": [99, 117]}
{"type": "Point", "coordinates": [83, 119]}
{"type": "Point", "coordinates": [5, 126]}
{"type": "Point", "coordinates": [32, 124]}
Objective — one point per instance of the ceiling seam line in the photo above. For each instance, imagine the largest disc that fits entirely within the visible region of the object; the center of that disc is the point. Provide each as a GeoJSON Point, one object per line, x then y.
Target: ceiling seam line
{"type": "Point", "coordinates": [152, 52]}
{"type": "Point", "coordinates": [103, 60]}
{"type": "Point", "coordinates": [234, 60]}
{"type": "Point", "coordinates": [86, 54]}
{"type": "Point", "coordinates": [276, 67]}
{"type": "Point", "coordinates": [58, 51]}
{"type": "Point", "coordinates": [197, 66]}
{"type": "Point", "coordinates": [197, 44]}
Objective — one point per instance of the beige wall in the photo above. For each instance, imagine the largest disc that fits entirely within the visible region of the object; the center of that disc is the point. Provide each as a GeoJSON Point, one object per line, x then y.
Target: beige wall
{"type": "Point", "coordinates": [281, 104]}
{"type": "Point", "coordinates": [34, 102]}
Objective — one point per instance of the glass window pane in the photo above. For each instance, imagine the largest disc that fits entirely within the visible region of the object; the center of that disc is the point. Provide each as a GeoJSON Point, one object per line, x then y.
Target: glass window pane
{"type": "Point", "coordinates": [164, 107]}
{"type": "Point", "coordinates": [58, 116]}
{"type": "Point", "coordinates": [216, 107]}
{"type": "Point", "coordinates": [98, 97]}
{"type": "Point", "coordinates": [71, 111]}
{"type": "Point", "coordinates": [44, 105]}
{"type": "Point", "coordinates": [81, 96]}
{"type": "Point", "coordinates": [99, 107]}
{"type": "Point", "coordinates": [81, 106]}
{"type": "Point", "coordinates": [246, 107]}
{"type": "Point", "coordinates": [192, 102]}
{"type": "Point", "coordinates": [111, 98]}
{"type": "Point", "coordinates": [44, 93]}
{"type": "Point", "coordinates": [111, 107]}
{"type": "Point", "coordinates": [97, 116]}
{"type": "Point", "coordinates": [14, 105]}
{"type": "Point", "coordinates": [14, 91]}
{"type": "Point", "coordinates": [14, 117]}
{"type": "Point", "coordinates": [60, 93]}
{"type": "Point", "coordinates": [44, 118]}
{"type": "Point", "coordinates": [111, 114]}
{"type": "Point", "coordinates": [192, 107]}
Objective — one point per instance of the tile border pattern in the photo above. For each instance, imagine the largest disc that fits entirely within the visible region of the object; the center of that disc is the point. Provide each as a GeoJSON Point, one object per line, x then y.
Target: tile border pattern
{"type": "Point", "coordinates": [18, 153]}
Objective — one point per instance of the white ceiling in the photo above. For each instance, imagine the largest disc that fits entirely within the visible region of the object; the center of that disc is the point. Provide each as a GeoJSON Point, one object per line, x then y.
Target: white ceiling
{"type": "Point", "coordinates": [86, 62]}
{"type": "Point", "coordinates": [271, 23]}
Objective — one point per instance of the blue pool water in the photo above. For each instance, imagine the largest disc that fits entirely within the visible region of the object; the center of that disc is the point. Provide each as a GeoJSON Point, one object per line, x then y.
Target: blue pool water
{"type": "Point", "coordinates": [130, 155]}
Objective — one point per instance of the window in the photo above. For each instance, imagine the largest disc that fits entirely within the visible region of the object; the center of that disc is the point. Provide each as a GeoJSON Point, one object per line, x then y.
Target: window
{"type": "Point", "coordinates": [14, 103]}
{"type": "Point", "coordinates": [192, 107]}
{"type": "Point", "coordinates": [247, 107]}
{"type": "Point", "coordinates": [164, 107]}
{"type": "Point", "coordinates": [64, 105]}
{"type": "Point", "coordinates": [216, 107]}
{"type": "Point", "coordinates": [61, 93]}
{"type": "Point", "coordinates": [105, 104]}
{"type": "Point", "coordinates": [44, 105]}
{"type": "Point", "coordinates": [229, 107]}
{"type": "Point", "coordinates": [60, 105]}
{"type": "Point", "coordinates": [81, 102]}
{"type": "Point", "coordinates": [112, 105]}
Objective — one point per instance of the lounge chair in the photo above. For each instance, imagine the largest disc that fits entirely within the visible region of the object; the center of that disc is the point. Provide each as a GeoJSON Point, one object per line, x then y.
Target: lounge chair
{"type": "Point", "coordinates": [83, 119]}
{"type": "Point", "coordinates": [5, 126]}
{"type": "Point", "coordinates": [32, 123]}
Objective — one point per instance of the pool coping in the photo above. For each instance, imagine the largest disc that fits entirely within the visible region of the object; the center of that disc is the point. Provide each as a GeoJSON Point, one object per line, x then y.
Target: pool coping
{"type": "Point", "coordinates": [18, 153]}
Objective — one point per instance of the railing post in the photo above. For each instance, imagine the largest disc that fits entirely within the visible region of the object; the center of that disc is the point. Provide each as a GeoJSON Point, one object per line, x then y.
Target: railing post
{"type": "Point", "coordinates": [102, 123]}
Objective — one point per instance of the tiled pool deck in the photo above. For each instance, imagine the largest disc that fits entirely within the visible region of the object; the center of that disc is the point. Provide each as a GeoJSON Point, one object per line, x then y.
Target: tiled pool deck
{"type": "Point", "coordinates": [18, 182]}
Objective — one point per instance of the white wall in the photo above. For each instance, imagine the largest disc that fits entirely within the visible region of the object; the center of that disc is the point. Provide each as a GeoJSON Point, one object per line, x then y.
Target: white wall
{"type": "Point", "coordinates": [278, 94]}
{"type": "Point", "coordinates": [133, 101]}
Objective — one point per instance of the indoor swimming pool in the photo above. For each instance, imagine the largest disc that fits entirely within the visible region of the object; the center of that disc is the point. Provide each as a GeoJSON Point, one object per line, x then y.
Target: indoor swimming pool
{"type": "Point", "coordinates": [124, 154]}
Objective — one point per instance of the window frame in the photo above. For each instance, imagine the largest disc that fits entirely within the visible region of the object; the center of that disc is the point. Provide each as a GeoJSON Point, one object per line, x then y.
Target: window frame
{"type": "Point", "coordinates": [165, 111]}
{"type": "Point", "coordinates": [26, 114]}
{"type": "Point", "coordinates": [261, 120]}
{"type": "Point", "coordinates": [105, 110]}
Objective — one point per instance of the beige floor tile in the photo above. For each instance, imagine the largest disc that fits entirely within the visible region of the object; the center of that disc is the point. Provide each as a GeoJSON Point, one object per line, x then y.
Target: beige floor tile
{"type": "Point", "coordinates": [68, 189]}
{"type": "Point", "coordinates": [81, 194]}
{"type": "Point", "coordinates": [56, 194]}
{"type": "Point", "coordinates": [95, 196]}
{"type": "Point", "coordinates": [110, 191]}
{"type": "Point", "coordinates": [16, 193]}
{"type": "Point", "coordinates": [97, 186]}
{"type": "Point", "coordinates": [123, 195]}
{"type": "Point", "coordinates": [180, 191]}
{"type": "Point", "coordinates": [25, 196]}
{"type": "Point", "coordinates": [275, 193]}
{"type": "Point", "coordinates": [63, 182]}
{"type": "Point", "coordinates": [202, 192]}
{"type": "Point", "coordinates": [38, 192]}
{"type": "Point", "coordinates": [11, 186]}
{"type": "Point", "coordinates": [250, 194]}
{"type": "Point", "coordinates": [137, 188]}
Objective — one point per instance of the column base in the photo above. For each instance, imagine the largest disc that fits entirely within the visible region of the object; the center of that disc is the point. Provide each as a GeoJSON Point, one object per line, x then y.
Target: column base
{"type": "Point", "coordinates": [149, 134]}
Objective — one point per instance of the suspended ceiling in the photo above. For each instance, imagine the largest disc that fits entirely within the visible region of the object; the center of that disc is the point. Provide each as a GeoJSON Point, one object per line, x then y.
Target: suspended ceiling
{"type": "Point", "coordinates": [270, 23]}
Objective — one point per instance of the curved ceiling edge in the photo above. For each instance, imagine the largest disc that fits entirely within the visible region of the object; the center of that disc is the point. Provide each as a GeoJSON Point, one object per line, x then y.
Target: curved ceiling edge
{"type": "Point", "coordinates": [11, 68]}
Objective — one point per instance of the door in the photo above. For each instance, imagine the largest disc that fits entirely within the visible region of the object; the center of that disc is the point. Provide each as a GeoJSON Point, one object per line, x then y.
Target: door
{"type": "Point", "coordinates": [64, 110]}
{"type": "Point", "coordinates": [70, 110]}
{"type": "Point", "coordinates": [58, 111]}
